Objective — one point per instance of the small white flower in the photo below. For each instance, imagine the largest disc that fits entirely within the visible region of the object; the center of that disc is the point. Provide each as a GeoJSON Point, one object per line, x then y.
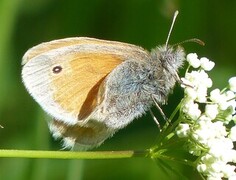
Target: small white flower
{"type": "Point", "coordinates": [200, 82]}
{"type": "Point", "coordinates": [233, 155]}
{"type": "Point", "coordinates": [230, 155]}
{"type": "Point", "coordinates": [201, 168]}
{"type": "Point", "coordinates": [223, 105]}
{"type": "Point", "coordinates": [203, 79]}
{"type": "Point", "coordinates": [191, 109]}
{"type": "Point", "coordinates": [193, 60]}
{"type": "Point", "coordinates": [182, 130]}
{"type": "Point", "coordinates": [191, 93]}
{"type": "Point", "coordinates": [228, 170]}
{"type": "Point", "coordinates": [232, 177]}
{"type": "Point", "coordinates": [211, 110]}
{"type": "Point", "coordinates": [230, 94]}
{"type": "Point", "coordinates": [232, 133]}
{"type": "Point", "coordinates": [201, 94]}
{"type": "Point", "coordinates": [219, 148]}
{"type": "Point", "coordinates": [232, 84]}
{"type": "Point", "coordinates": [217, 166]}
{"type": "Point", "coordinates": [206, 64]}
{"type": "Point", "coordinates": [219, 98]}
{"type": "Point", "coordinates": [224, 100]}
{"type": "Point", "coordinates": [209, 83]}
{"type": "Point", "coordinates": [215, 95]}
{"type": "Point", "coordinates": [203, 132]}
{"type": "Point", "coordinates": [219, 128]}
{"type": "Point", "coordinates": [192, 77]}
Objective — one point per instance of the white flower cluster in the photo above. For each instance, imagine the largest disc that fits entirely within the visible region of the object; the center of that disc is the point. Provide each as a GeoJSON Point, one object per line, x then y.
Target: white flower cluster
{"type": "Point", "coordinates": [207, 121]}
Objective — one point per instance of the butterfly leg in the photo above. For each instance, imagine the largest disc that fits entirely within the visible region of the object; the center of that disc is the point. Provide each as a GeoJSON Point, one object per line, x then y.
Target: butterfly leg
{"type": "Point", "coordinates": [160, 110]}
{"type": "Point", "coordinates": [155, 119]}
{"type": "Point", "coordinates": [181, 82]}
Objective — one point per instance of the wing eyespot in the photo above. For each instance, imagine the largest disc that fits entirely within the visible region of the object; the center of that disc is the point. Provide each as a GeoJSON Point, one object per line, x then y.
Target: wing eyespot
{"type": "Point", "coordinates": [57, 69]}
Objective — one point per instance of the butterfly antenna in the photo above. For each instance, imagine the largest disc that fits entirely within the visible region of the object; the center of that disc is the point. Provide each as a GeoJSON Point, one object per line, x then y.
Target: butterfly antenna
{"type": "Point", "coordinates": [171, 27]}
{"type": "Point", "coordinates": [195, 40]}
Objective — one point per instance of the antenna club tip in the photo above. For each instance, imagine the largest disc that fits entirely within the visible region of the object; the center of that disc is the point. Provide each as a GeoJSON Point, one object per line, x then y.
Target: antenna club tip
{"type": "Point", "coordinates": [171, 27]}
{"type": "Point", "coordinates": [176, 12]}
{"type": "Point", "coordinates": [202, 43]}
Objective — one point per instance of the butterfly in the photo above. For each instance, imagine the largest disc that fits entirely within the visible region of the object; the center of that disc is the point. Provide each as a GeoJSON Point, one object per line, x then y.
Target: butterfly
{"type": "Point", "coordinates": [92, 88]}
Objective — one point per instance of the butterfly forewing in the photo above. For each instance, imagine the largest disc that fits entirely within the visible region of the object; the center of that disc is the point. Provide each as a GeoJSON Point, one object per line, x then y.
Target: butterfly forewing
{"type": "Point", "coordinates": [65, 76]}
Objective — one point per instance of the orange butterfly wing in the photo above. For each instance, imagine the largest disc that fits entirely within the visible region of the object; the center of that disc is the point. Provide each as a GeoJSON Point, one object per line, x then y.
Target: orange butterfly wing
{"type": "Point", "coordinates": [75, 92]}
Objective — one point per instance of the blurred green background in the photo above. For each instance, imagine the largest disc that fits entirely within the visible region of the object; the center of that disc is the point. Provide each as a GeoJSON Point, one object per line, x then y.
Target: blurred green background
{"type": "Point", "coordinates": [25, 23]}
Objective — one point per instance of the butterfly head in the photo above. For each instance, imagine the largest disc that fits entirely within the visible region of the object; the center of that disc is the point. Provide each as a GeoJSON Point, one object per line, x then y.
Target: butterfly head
{"type": "Point", "coordinates": [171, 58]}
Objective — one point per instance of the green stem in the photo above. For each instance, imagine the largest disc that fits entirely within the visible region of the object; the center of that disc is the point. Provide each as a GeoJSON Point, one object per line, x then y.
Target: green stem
{"type": "Point", "coordinates": [187, 70]}
{"type": "Point", "coordinates": [223, 90]}
{"type": "Point", "coordinates": [7, 153]}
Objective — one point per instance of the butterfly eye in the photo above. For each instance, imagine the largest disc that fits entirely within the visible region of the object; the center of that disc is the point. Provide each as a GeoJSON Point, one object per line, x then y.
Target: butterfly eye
{"type": "Point", "coordinates": [57, 69]}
